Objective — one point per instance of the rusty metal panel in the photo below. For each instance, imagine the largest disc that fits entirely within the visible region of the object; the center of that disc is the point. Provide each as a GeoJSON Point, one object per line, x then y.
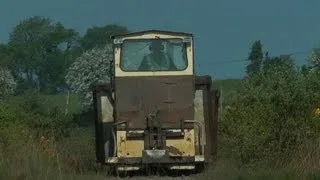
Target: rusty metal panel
{"type": "Point", "coordinates": [216, 104]}
{"type": "Point", "coordinates": [102, 125]}
{"type": "Point", "coordinates": [98, 129]}
{"type": "Point", "coordinates": [210, 111]}
{"type": "Point", "coordinates": [207, 112]}
{"type": "Point", "coordinates": [137, 97]}
{"type": "Point", "coordinates": [103, 118]}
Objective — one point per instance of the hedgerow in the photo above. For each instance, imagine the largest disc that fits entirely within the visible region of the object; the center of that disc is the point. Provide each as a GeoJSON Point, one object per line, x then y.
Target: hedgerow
{"type": "Point", "coordinates": [272, 115]}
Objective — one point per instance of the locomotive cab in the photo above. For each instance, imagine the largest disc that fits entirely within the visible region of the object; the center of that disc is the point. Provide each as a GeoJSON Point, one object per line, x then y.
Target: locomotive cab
{"type": "Point", "coordinates": [151, 94]}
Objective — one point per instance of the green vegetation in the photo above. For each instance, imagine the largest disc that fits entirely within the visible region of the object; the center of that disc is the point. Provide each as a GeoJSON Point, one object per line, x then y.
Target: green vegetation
{"type": "Point", "coordinates": [268, 129]}
{"type": "Point", "coordinates": [228, 88]}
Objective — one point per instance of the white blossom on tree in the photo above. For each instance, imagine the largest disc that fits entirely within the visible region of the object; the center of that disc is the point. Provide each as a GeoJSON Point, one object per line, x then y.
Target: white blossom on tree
{"type": "Point", "coordinates": [91, 67]}
{"type": "Point", "coordinates": [7, 82]}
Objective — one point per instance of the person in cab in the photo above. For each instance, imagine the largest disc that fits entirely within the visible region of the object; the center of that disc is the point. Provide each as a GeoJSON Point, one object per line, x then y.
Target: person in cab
{"type": "Point", "coordinates": [157, 59]}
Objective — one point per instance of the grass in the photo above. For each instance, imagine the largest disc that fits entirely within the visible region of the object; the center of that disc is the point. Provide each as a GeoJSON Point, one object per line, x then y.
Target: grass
{"type": "Point", "coordinates": [76, 159]}
{"type": "Point", "coordinates": [60, 100]}
{"type": "Point", "coordinates": [73, 157]}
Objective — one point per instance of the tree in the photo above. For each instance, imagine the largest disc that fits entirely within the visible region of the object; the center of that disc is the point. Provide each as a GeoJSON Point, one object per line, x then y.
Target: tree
{"type": "Point", "coordinates": [4, 56]}
{"type": "Point", "coordinates": [93, 66]}
{"type": "Point", "coordinates": [7, 83]}
{"type": "Point", "coordinates": [255, 58]}
{"type": "Point", "coordinates": [314, 59]}
{"type": "Point", "coordinates": [305, 69]}
{"type": "Point", "coordinates": [42, 50]}
{"type": "Point", "coordinates": [99, 36]}
{"type": "Point", "coordinates": [268, 119]}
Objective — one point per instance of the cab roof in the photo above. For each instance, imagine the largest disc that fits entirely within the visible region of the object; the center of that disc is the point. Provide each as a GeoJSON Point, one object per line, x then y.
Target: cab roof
{"type": "Point", "coordinates": [152, 31]}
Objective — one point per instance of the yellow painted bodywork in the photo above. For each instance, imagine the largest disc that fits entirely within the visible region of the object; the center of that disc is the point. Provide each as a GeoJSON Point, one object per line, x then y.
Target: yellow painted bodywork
{"type": "Point", "coordinates": [177, 147]}
{"type": "Point", "coordinates": [128, 148]}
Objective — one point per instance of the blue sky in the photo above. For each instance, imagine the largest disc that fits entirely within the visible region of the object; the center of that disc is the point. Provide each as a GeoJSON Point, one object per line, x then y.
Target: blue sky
{"type": "Point", "coordinates": [224, 30]}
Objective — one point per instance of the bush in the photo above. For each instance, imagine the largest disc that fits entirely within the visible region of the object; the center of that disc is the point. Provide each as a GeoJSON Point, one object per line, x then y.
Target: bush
{"type": "Point", "coordinates": [34, 111]}
{"type": "Point", "coordinates": [92, 67]}
{"type": "Point", "coordinates": [12, 126]}
{"type": "Point", "coordinates": [272, 115]}
{"type": "Point", "coordinates": [38, 141]}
